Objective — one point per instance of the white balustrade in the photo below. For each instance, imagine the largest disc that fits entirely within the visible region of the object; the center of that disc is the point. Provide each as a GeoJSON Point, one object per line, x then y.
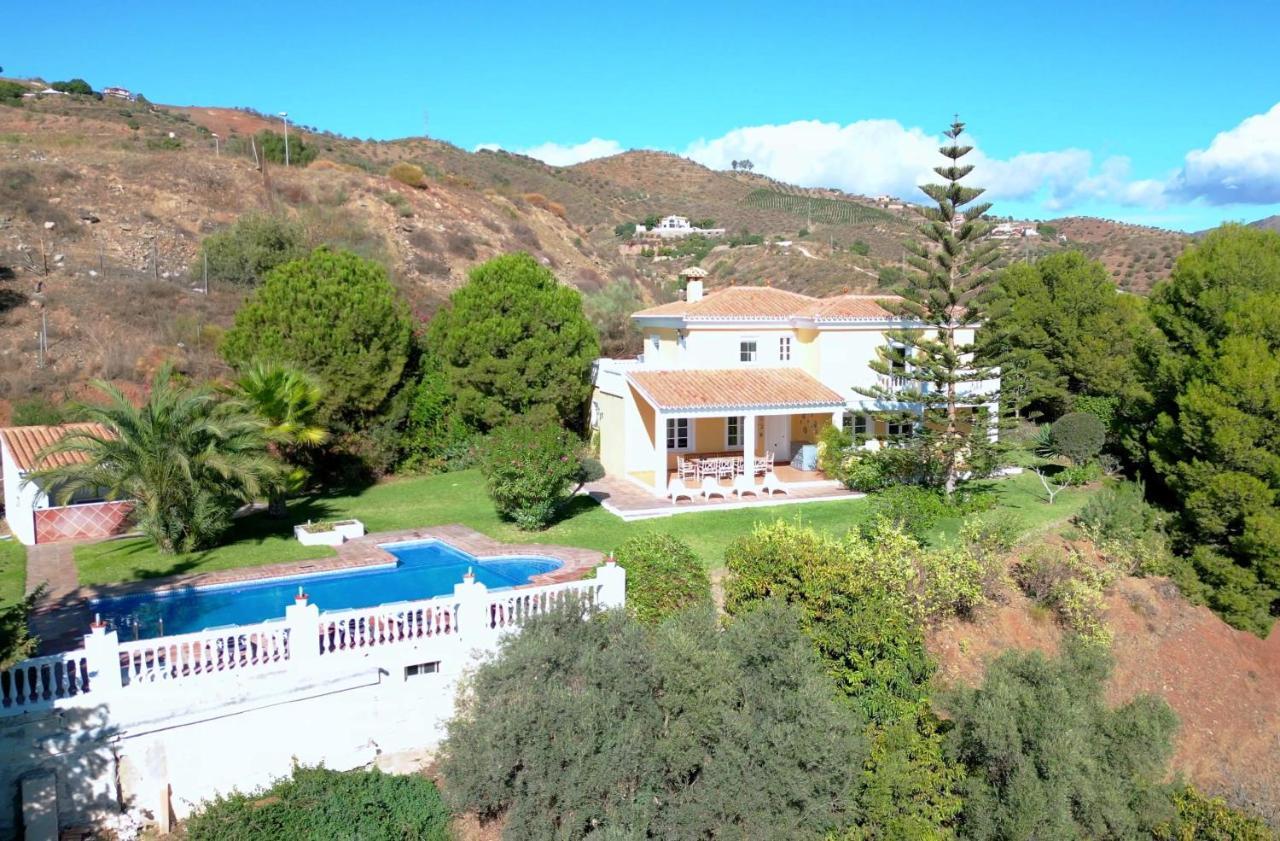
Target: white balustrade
{"type": "Point", "coordinates": [43, 680]}
{"type": "Point", "coordinates": [472, 615]}
{"type": "Point", "coordinates": [189, 656]}
{"type": "Point", "coordinates": [365, 628]}
{"type": "Point", "coordinates": [510, 609]}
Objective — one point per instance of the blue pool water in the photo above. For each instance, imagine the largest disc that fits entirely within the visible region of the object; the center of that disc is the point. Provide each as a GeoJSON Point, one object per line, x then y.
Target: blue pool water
{"type": "Point", "coordinates": [422, 570]}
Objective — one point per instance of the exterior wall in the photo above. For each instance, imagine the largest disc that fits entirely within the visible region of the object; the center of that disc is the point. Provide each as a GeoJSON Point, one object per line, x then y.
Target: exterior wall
{"type": "Point", "coordinates": [640, 440]}
{"type": "Point", "coordinates": [719, 347]}
{"type": "Point", "coordinates": [806, 428]}
{"type": "Point", "coordinates": [844, 360]}
{"type": "Point", "coordinates": [667, 354]}
{"type": "Point", "coordinates": [610, 420]}
{"type": "Point", "coordinates": [82, 522]}
{"type": "Point", "coordinates": [180, 719]}
{"type": "Point", "coordinates": [20, 501]}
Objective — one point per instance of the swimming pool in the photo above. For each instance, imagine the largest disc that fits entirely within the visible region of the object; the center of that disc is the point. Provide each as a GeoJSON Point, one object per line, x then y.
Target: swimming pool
{"type": "Point", "coordinates": [422, 569]}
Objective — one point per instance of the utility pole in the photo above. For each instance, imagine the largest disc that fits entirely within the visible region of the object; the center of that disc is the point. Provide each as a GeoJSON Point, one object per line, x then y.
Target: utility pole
{"type": "Point", "coordinates": [42, 344]}
{"type": "Point", "coordinates": [284, 115]}
{"type": "Point", "coordinates": [155, 264]}
{"type": "Point", "coordinates": [217, 146]}
{"type": "Point", "coordinates": [206, 274]}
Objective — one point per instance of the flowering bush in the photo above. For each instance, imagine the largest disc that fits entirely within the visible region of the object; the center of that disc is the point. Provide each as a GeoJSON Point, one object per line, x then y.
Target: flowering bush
{"type": "Point", "coordinates": [530, 468]}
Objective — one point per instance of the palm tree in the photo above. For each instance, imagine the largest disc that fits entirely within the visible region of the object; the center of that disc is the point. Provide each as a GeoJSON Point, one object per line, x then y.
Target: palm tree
{"type": "Point", "coordinates": [287, 402]}
{"type": "Point", "coordinates": [186, 458]}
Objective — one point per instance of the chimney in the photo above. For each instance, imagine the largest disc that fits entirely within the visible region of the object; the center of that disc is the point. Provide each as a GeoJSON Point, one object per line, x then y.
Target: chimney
{"type": "Point", "coordinates": [693, 289]}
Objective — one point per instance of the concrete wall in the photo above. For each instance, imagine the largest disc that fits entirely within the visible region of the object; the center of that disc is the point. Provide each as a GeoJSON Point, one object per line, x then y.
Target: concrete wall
{"type": "Point", "coordinates": [610, 420]}
{"type": "Point", "coordinates": [19, 500]}
{"type": "Point", "coordinates": [188, 719]}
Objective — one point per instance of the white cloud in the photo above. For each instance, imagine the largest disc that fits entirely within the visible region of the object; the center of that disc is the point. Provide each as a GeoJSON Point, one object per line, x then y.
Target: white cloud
{"type": "Point", "coordinates": [1241, 165]}
{"type": "Point", "coordinates": [557, 154]}
{"type": "Point", "coordinates": [882, 156]}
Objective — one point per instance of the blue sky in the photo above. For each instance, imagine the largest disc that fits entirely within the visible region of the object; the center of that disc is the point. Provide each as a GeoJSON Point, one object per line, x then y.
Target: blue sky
{"type": "Point", "coordinates": [1159, 113]}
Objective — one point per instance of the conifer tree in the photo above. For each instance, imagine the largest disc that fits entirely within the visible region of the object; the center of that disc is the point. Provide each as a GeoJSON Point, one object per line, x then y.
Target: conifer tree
{"type": "Point", "coordinates": [930, 378]}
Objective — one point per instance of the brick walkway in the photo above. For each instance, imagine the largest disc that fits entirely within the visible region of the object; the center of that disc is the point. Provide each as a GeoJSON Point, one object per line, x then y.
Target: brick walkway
{"type": "Point", "coordinates": [61, 616]}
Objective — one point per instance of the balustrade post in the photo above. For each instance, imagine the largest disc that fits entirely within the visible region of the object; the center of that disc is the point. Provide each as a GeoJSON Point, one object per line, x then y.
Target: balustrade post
{"type": "Point", "coordinates": [303, 622]}
{"type": "Point", "coordinates": [613, 584]}
{"type": "Point", "coordinates": [102, 659]}
{"type": "Point", "coordinates": [475, 626]}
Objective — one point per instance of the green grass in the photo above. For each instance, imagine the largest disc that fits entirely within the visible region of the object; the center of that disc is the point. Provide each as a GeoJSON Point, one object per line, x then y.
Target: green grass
{"type": "Point", "coordinates": [460, 498]}
{"type": "Point", "coordinates": [13, 571]}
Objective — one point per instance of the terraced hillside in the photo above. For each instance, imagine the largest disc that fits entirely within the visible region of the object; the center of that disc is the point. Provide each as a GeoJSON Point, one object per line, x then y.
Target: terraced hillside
{"type": "Point", "coordinates": [1136, 255]}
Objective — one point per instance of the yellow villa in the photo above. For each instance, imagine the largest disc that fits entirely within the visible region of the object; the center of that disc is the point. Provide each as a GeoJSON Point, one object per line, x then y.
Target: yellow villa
{"type": "Point", "coordinates": [742, 377]}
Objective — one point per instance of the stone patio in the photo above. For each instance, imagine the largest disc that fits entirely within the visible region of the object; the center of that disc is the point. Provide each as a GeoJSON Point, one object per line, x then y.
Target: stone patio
{"type": "Point", "coordinates": [630, 500]}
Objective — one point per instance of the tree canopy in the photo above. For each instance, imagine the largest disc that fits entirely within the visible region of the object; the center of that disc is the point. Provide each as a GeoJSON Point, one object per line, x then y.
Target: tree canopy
{"type": "Point", "coordinates": [609, 728]}
{"type": "Point", "coordinates": [1047, 757]}
{"type": "Point", "coordinates": [335, 315]}
{"type": "Point", "coordinates": [1060, 328]}
{"type": "Point", "coordinates": [1215, 440]}
{"type": "Point", "coordinates": [247, 250]}
{"type": "Point", "coordinates": [513, 340]}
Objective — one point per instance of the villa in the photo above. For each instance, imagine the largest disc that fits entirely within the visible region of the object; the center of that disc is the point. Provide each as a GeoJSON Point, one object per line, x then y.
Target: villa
{"type": "Point", "coordinates": [675, 227]}
{"type": "Point", "coordinates": [744, 375]}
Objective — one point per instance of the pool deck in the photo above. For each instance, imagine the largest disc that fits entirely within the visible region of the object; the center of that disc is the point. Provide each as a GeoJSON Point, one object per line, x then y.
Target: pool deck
{"type": "Point", "coordinates": [62, 620]}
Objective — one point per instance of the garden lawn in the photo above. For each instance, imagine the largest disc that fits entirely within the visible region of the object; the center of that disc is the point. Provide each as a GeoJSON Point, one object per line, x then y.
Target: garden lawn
{"type": "Point", "coordinates": [460, 498]}
{"type": "Point", "coordinates": [13, 571]}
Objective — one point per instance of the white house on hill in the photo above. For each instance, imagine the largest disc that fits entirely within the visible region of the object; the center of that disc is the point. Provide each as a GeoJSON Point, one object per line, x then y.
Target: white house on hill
{"type": "Point", "coordinates": [674, 227]}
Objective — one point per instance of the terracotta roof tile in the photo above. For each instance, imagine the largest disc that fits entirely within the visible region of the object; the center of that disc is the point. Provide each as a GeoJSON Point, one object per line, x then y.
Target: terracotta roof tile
{"type": "Point", "coordinates": [849, 306]}
{"type": "Point", "coordinates": [26, 442]}
{"type": "Point", "coordinates": [761, 302]}
{"type": "Point", "coordinates": [767, 303]}
{"type": "Point", "coordinates": [730, 388]}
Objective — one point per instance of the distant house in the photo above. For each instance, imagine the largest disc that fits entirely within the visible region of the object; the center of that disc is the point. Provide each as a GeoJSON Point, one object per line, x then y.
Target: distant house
{"type": "Point", "coordinates": [30, 508]}
{"type": "Point", "coordinates": [674, 227]}
{"type": "Point", "coordinates": [118, 93]}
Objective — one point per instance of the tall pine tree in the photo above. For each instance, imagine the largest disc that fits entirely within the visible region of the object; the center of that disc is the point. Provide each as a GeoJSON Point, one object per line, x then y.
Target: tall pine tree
{"type": "Point", "coordinates": [929, 377]}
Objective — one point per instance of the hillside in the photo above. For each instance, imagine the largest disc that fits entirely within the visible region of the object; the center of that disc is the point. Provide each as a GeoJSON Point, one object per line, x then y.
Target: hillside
{"type": "Point", "coordinates": [1136, 255]}
{"type": "Point", "coordinates": [1271, 223]}
{"type": "Point", "coordinates": [103, 204]}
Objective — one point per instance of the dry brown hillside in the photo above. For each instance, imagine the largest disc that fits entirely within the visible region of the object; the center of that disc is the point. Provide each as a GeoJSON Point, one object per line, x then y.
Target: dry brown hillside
{"type": "Point", "coordinates": [1137, 256]}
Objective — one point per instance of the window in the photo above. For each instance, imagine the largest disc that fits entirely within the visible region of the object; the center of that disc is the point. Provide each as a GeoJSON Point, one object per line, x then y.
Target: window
{"type": "Point", "coordinates": [747, 350]}
{"type": "Point", "coordinates": [857, 425]}
{"type": "Point", "coordinates": [784, 349]}
{"type": "Point", "coordinates": [903, 429]}
{"type": "Point", "coordinates": [677, 433]}
{"type": "Point", "coordinates": [421, 669]}
{"type": "Point", "coordinates": [733, 433]}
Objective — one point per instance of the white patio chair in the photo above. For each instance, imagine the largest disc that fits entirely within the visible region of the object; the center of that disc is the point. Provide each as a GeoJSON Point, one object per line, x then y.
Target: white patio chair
{"type": "Point", "coordinates": [687, 468]}
{"type": "Point", "coordinates": [724, 468]}
{"type": "Point", "coordinates": [743, 484]}
{"type": "Point", "coordinates": [772, 484]}
{"type": "Point", "coordinates": [711, 487]}
{"type": "Point", "coordinates": [677, 488]}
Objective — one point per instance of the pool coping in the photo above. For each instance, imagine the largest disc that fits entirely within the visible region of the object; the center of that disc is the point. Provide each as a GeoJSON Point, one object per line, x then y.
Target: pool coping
{"type": "Point", "coordinates": [363, 553]}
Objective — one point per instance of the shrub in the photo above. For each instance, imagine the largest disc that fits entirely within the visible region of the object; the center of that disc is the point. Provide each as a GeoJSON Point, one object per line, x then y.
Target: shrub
{"type": "Point", "coordinates": [1127, 529]}
{"type": "Point", "coordinates": [249, 248]}
{"type": "Point", "coordinates": [271, 146]}
{"type": "Point", "coordinates": [860, 248]}
{"type": "Point", "coordinates": [605, 727]}
{"type": "Point", "coordinates": [663, 576]}
{"type": "Point", "coordinates": [1047, 757]}
{"type": "Point", "coordinates": [1078, 437]}
{"type": "Point", "coordinates": [319, 803]}
{"type": "Point", "coordinates": [39, 411]}
{"type": "Point", "coordinates": [76, 86]}
{"type": "Point", "coordinates": [1071, 586]}
{"type": "Point", "coordinates": [1080, 474]}
{"type": "Point", "coordinates": [1202, 818]}
{"type": "Point", "coordinates": [1102, 408]}
{"type": "Point", "coordinates": [11, 91]}
{"type": "Point", "coordinates": [911, 508]}
{"type": "Point", "coordinates": [408, 174]}
{"type": "Point", "coordinates": [625, 230]}
{"type": "Point", "coordinates": [530, 466]}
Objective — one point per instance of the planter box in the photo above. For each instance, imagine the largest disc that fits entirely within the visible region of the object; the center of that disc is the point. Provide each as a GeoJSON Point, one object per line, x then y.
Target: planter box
{"type": "Point", "coordinates": [328, 534]}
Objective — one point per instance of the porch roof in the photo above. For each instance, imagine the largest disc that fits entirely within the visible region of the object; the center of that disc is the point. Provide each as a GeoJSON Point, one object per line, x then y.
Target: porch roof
{"type": "Point", "coordinates": [26, 442]}
{"type": "Point", "coordinates": [734, 389]}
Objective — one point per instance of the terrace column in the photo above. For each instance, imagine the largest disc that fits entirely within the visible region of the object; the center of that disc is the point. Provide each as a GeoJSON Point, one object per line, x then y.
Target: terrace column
{"type": "Point", "coordinates": [659, 453]}
{"type": "Point", "coordinates": [303, 621]}
{"type": "Point", "coordinates": [102, 659]}
{"type": "Point", "coordinates": [837, 418]}
{"type": "Point", "coordinates": [749, 444]}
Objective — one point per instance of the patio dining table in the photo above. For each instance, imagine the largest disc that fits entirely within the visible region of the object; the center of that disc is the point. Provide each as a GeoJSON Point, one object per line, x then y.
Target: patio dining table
{"type": "Point", "coordinates": [722, 465]}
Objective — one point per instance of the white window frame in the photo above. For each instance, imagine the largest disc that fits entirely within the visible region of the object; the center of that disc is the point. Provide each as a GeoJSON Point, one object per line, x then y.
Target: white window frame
{"type": "Point", "coordinates": [900, 429]}
{"type": "Point", "coordinates": [853, 420]}
{"type": "Point", "coordinates": [672, 430]}
{"type": "Point", "coordinates": [755, 350]}
{"type": "Point", "coordinates": [730, 432]}
{"type": "Point", "coordinates": [784, 348]}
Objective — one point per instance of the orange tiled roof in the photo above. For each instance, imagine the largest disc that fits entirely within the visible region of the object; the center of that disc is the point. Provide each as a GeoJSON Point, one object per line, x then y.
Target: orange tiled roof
{"type": "Point", "coordinates": [728, 388]}
{"type": "Point", "coordinates": [26, 442]}
{"type": "Point", "coordinates": [850, 306]}
{"type": "Point", "coordinates": [767, 303]}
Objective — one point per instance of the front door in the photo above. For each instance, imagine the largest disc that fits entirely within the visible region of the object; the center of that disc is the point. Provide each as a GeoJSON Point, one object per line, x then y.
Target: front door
{"type": "Point", "coordinates": [777, 437]}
